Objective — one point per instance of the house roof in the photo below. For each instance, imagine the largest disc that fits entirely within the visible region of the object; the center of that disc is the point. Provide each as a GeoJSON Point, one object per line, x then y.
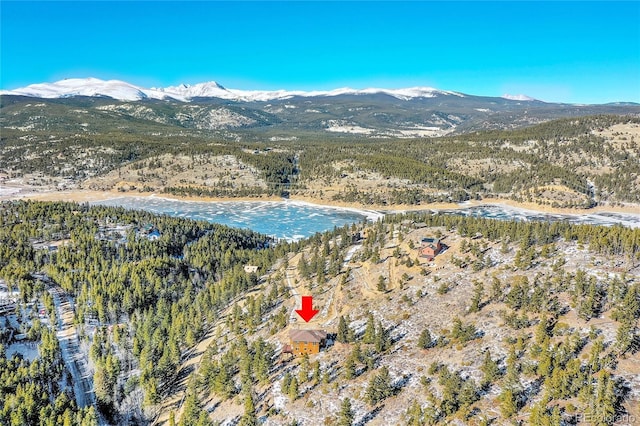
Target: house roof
{"type": "Point", "coordinates": [307, 335]}
{"type": "Point", "coordinates": [430, 240]}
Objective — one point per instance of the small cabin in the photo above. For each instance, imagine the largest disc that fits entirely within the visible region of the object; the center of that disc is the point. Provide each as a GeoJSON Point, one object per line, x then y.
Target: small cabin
{"type": "Point", "coordinates": [251, 269]}
{"type": "Point", "coordinates": [430, 247]}
{"type": "Point", "coordinates": [306, 341]}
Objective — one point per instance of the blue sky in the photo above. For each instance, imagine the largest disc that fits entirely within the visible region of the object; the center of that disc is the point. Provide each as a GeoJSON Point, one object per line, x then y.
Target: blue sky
{"type": "Point", "coordinates": [583, 52]}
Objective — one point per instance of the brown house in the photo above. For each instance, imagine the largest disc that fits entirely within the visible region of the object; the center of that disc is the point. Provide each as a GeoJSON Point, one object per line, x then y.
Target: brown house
{"type": "Point", "coordinates": [306, 341]}
{"type": "Point", "coordinates": [430, 247]}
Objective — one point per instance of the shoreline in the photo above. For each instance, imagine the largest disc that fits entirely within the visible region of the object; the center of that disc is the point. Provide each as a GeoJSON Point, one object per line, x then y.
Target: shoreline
{"type": "Point", "coordinates": [371, 211]}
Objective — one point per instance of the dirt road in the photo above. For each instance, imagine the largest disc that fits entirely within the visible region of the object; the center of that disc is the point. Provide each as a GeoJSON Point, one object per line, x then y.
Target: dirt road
{"type": "Point", "coordinates": [73, 358]}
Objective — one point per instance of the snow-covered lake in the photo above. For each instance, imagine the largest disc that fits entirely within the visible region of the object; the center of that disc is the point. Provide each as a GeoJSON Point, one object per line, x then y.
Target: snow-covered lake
{"type": "Point", "coordinates": [289, 220]}
{"type": "Point", "coordinates": [504, 212]}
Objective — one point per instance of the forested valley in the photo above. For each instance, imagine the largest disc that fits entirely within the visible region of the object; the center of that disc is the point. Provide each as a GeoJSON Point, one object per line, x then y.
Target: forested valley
{"type": "Point", "coordinates": [565, 163]}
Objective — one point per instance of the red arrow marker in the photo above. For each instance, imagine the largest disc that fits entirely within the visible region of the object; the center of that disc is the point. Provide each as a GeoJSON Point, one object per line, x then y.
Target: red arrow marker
{"type": "Point", "coordinates": [307, 312]}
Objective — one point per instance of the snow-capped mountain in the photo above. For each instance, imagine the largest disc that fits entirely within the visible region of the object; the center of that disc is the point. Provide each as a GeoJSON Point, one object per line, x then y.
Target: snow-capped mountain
{"type": "Point", "coordinates": [518, 97]}
{"type": "Point", "coordinates": [211, 107]}
{"type": "Point", "coordinates": [202, 90]}
{"type": "Point", "coordinates": [81, 87]}
{"type": "Point", "coordinates": [124, 91]}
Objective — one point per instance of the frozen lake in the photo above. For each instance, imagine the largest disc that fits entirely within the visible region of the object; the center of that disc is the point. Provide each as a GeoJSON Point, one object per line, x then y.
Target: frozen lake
{"type": "Point", "coordinates": [289, 220]}
{"type": "Point", "coordinates": [293, 220]}
{"type": "Point", "coordinates": [504, 212]}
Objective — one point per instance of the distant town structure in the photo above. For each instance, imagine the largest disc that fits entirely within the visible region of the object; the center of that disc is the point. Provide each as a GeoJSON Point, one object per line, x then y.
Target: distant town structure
{"type": "Point", "coordinates": [251, 269]}
{"type": "Point", "coordinates": [149, 232]}
{"type": "Point", "coordinates": [305, 342]}
{"type": "Point", "coordinates": [430, 247]}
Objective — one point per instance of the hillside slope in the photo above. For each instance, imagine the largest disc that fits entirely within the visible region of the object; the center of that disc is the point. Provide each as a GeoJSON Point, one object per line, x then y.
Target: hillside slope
{"type": "Point", "coordinates": [491, 331]}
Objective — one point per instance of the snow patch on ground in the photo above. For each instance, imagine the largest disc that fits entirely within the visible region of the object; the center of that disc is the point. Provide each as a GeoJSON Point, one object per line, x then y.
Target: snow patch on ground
{"type": "Point", "coordinates": [425, 132]}
{"type": "Point", "coordinates": [342, 126]}
{"type": "Point", "coordinates": [28, 350]}
{"type": "Point", "coordinates": [279, 400]}
{"type": "Point", "coordinates": [6, 191]}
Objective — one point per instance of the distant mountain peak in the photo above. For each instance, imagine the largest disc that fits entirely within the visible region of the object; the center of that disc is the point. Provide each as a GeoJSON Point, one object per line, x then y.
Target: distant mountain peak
{"type": "Point", "coordinates": [210, 89]}
{"type": "Point", "coordinates": [185, 86]}
{"type": "Point", "coordinates": [518, 97]}
{"type": "Point", "coordinates": [82, 87]}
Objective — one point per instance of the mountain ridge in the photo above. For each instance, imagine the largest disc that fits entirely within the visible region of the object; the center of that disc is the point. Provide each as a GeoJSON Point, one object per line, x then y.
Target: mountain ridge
{"type": "Point", "coordinates": [234, 114]}
{"type": "Point", "coordinates": [124, 91]}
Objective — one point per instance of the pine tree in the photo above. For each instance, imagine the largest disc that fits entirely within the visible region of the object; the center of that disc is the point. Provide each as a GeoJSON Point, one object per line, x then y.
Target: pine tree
{"type": "Point", "coordinates": [538, 416]}
{"type": "Point", "coordinates": [370, 330]}
{"type": "Point", "coordinates": [508, 405]}
{"type": "Point", "coordinates": [349, 368]}
{"type": "Point", "coordinates": [303, 267]}
{"type": "Point", "coordinates": [512, 378]}
{"type": "Point", "coordinates": [315, 376]}
{"type": "Point", "coordinates": [344, 332]}
{"type": "Point", "coordinates": [478, 293]}
{"type": "Point", "coordinates": [545, 363]}
{"type": "Point", "coordinates": [424, 342]}
{"type": "Point", "coordinates": [589, 304]}
{"type": "Point", "coordinates": [625, 337]}
{"type": "Point", "coordinates": [414, 415]}
{"type": "Point", "coordinates": [496, 290]}
{"type": "Point", "coordinates": [369, 359]}
{"type": "Point", "coordinates": [382, 339]}
{"type": "Point", "coordinates": [346, 415]}
{"type": "Point", "coordinates": [293, 389]}
{"type": "Point", "coordinates": [304, 369]}
{"type": "Point", "coordinates": [192, 410]}
{"type": "Point", "coordinates": [249, 417]}
{"type": "Point", "coordinates": [627, 315]}
{"type": "Point", "coordinates": [375, 255]}
{"type": "Point", "coordinates": [490, 369]}
{"type": "Point", "coordinates": [605, 397]}
{"type": "Point", "coordinates": [379, 387]}
{"type": "Point", "coordinates": [203, 419]}
{"type": "Point", "coordinates": [381, 286]}
{"type": "Point", "coordinates": [286, 383]}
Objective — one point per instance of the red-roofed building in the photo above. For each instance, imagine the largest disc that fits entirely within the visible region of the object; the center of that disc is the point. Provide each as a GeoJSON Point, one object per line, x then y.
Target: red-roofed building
{"type": "Point", "coordinates": [430, 247]}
